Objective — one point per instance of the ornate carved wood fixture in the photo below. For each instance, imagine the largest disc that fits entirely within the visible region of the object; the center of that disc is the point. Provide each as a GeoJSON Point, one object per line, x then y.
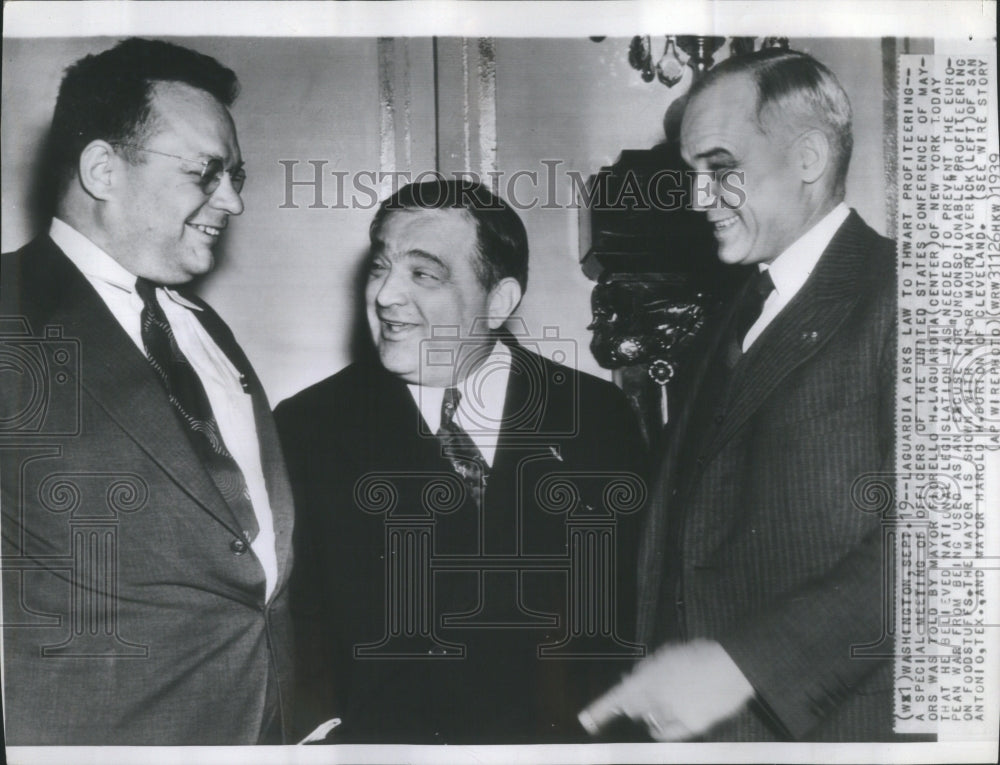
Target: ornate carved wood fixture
{"type": "Point", "coordinates": [652, 256]}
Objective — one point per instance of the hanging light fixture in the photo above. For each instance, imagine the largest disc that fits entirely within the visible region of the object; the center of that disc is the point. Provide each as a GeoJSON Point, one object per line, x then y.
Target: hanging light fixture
{"type": "Point", "coordinates": [670, 68]}
{"type": "Point", "coordinates": [700, 52]}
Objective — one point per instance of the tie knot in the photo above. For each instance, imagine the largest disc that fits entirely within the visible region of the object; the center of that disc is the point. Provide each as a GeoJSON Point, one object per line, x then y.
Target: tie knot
{"type": "Point", "coordinates": [146, 290]}
{"type": "Point", "coordinates": [750, 306]}
{"type": "Point", "coordinates": [450, 403]}
{"type": "Point", "coordinates": [763, 284]}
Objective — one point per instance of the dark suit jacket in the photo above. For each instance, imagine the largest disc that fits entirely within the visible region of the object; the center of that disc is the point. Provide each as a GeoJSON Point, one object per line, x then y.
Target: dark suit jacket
{"type": "Point", "coordinates": [753, 539]}
{"type": "Point", "coordinates": [128, 616]}
{"type": "Point", "coordinates": [362, 423]}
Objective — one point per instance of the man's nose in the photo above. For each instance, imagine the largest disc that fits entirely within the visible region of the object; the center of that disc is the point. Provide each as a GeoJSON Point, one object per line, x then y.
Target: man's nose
{"type": "Point", "coordinates": [704, 191]}
{"type": "Point", "coordinates": [226, 197]}
{"type": "Point", "coordinates": [392, 290]}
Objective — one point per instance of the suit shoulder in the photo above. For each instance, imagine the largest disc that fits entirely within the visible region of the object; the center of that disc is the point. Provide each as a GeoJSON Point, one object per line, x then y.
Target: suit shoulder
{"type": "Point", "coordinates": [590, 386]}
{"type": "Point", "coordinates": [606, 429]}
{"type": "Point", "coordinates": [22, 251]}
{"type": "Point", "coordinates": [881, 271]}
{"type": "Point", "coordinates": [328, 396]}
{"type": "Point", "coordinates": [881, 250]}
{"type": "Point", "coordinates": [875, 259]}
{"type": "Point", "coordinates": [28, 283]}
{"type": "Point", "coordinates": [10, 278]}
{"type": "Point", "coordinates": [12, 258]}
{"type": "Point", "coordinates": [601, 405]}
{"type": "Point", "coordinates": [13, 266]}
{"type": "Point", "coordinates": [883, 255]}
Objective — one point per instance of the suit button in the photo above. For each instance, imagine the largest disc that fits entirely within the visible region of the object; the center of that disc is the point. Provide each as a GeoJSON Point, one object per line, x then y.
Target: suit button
{"type": "Point", "coordinates": [238, 546]}
{"type": "Point", "coordinates": [701, 462]}
{"type": "Point", "coordinates": [719, 418]}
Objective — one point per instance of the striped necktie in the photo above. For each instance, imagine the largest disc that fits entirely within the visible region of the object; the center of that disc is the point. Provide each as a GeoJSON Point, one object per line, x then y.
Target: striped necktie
{"type": "Point", "coordinates": [191, 405]}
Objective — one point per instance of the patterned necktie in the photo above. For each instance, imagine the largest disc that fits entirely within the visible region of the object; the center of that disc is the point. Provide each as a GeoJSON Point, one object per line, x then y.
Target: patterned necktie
{"type": "Point", "coordinates": [192, 407]}
{"type": "Point", "coordinates": [460, 449]}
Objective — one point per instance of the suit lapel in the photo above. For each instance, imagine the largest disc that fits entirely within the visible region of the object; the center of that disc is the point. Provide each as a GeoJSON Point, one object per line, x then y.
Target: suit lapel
{"type": "Point", "coordinates": [117, 377]}
{"type": "Point", "coordinates": [514, 401]}
{"type": "Point", "coordinates": [805, 325]}
{"type": "Point", "coordinates": [531, 406]}
{"type": "Point", "coordinates": [821, 306]}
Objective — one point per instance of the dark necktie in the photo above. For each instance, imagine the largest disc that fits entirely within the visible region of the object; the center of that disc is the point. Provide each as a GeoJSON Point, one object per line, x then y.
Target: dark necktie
{"type": "Point", "coordinates": [748, 310]}
{"type": "Point", "coordinates": [192, 407]}
{"type": "Point", "coordinates": [713, 395]}
{"type": "Point", "coordinates": [752, 303]}
{"type": "Point", "coordinates": [460, 449]}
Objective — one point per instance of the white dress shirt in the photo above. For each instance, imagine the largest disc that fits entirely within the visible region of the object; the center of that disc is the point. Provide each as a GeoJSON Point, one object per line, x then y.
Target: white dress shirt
{"type": "Point", "coordinates": [480, 409]}
{"type": "Point", "coordinates": [231, 405]}
{"type": "Point", "coordinates": [791, 268]}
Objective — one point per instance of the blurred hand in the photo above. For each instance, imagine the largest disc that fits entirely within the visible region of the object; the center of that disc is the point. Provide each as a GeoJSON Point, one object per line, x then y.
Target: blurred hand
{"type": "Point", "coordinates": [679, 692]}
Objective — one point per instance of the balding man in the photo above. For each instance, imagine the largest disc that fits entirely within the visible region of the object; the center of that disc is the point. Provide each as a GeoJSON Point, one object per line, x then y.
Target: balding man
{"type": "Point", "coordinates": [759, 578]}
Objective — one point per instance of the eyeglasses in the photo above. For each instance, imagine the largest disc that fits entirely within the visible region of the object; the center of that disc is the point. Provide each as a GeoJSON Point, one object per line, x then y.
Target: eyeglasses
{"type": "Point", "coordinates": [211, 171]}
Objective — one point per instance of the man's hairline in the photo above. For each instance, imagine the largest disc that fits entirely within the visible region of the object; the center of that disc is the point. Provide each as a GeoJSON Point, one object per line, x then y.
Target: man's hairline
{"type": "Point", "coordinates": [761, 110]}
{"type": "Point", "coordinates": [761, 117]}
{"type": "Point", "coordinates": [147, 129]}
{"type": "Point", "coordinates": [481, 258]}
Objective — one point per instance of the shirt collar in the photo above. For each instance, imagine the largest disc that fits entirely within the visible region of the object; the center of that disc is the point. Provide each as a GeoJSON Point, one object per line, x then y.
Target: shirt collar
{"type": "Point", "coordinates": [95, 263]}
{"type": "Point", "coordinates": [483, 395]}
{"type": "Point", "coordinates": [791, 268]}
{"type": "Point", "coordinates": [91, 260]}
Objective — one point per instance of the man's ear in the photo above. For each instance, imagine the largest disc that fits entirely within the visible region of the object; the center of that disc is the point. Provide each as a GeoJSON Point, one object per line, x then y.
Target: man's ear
{"type": "Point", "coordinates": [504, 298]}
{"type": "Point", "coordinates": [97, 169]}
{"type": "Point", "coordinates": [812, 155]}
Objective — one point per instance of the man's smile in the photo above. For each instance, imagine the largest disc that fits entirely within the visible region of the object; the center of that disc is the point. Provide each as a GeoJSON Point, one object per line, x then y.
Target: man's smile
{"type": "Point", "coordinates": [210, 231]}
{"type": "Point", "coordinates": [722, 225]}
{"type": "Point", "coordinates": [395, 329]}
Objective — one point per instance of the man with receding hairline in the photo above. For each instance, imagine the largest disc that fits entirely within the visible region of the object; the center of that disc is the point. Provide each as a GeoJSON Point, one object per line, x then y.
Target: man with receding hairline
{"type": "Point", "coordinates": [147, 546]}
{"type": "Point", "coordinates": [759, 579]}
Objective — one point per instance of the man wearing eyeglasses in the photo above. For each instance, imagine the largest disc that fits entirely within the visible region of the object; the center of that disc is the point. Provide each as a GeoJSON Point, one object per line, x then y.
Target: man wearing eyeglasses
{"type": "Point", "coordinates": [146, 511]}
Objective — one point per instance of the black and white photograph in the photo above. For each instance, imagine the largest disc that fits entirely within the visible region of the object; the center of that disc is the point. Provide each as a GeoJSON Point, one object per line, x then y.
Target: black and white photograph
{"type": "Point", "coordinates": [462, 382]}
